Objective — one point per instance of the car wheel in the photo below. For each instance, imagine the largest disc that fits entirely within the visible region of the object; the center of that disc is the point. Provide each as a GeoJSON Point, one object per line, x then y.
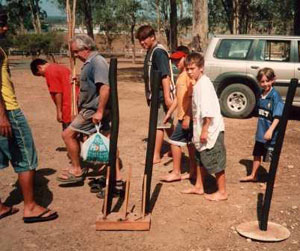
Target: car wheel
{"type": "Point", "coordinates": [237, 101]}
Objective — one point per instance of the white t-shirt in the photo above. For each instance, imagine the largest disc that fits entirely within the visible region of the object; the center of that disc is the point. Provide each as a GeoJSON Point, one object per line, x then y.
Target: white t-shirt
{"type": "Point", "coordinates": [205, 103]}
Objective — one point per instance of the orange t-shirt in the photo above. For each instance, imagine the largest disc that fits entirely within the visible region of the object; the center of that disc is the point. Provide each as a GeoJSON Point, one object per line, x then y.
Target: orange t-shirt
{"type": "Point", "coordinates": [58, 78]}
{"type": "Point", "coordinates": [184, 91]}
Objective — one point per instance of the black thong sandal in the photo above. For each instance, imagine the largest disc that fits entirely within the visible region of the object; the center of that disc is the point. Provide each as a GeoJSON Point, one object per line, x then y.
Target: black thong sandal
{"type": "Point", "coordinates": [40, 217]}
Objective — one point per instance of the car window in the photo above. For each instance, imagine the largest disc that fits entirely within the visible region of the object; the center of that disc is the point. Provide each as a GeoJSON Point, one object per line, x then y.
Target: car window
{"type": "Point", "coordinates": [234, 48]}
{"type": "Point", "coordinates": [278, 51]}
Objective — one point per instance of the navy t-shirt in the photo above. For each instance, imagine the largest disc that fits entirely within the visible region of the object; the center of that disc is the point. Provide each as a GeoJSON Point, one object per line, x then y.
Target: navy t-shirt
{"type": "Point", "coordinates": [269, 108]}
{"type": "Point", "coordinates": [160, 62]}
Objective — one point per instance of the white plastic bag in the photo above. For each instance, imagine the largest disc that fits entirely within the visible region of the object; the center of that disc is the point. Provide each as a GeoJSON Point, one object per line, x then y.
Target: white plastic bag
{"type": "Point", "coordinates": [96, 148]}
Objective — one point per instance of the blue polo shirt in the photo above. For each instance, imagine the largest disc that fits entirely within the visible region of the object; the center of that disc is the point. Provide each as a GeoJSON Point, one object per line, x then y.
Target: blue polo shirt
{"type": "Point", "coordinates": [94, 73]}
{"type": "Point", "coordinates": [269, 108]}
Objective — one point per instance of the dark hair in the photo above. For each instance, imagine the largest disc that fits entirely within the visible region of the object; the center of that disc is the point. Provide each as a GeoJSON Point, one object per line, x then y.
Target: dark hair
{"type": "Point", "coordinates": [184, 49]}
{"type": "Point", "coordinates": [3, 17]}
{"type": "Point", "coordinates": [144, 31]}
{"type": "Point", "coordinates": [34, 65]}
{"type": "Point", "coordinates": [268, 72]}
{"type": "Point", "coordinates": [194, 58]}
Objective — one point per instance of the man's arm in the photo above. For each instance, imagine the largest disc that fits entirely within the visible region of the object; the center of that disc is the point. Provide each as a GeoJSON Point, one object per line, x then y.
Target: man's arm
{"type": "Point", "coordinates": [204, 132]}
{"type": "Point", "coordinates": [5, 128]}
{"type": "Point", "coordinates": [58, 104]}
{"type": "Point", "coordinates": [103, 98]}
{"type": "Point", "coordinates": [166, 82]}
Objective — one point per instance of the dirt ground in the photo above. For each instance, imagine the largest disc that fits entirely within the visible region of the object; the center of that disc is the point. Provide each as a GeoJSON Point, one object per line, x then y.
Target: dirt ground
{"type": "Point", "coordinates": [178, 222]}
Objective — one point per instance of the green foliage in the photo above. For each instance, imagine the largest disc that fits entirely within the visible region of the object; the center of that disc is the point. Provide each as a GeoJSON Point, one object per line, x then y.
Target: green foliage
{"type": "Point", "coordinates": [34, 44]}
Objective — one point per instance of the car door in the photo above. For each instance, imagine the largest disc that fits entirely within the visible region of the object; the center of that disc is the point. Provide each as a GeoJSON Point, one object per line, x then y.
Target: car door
{"type": "Point", "coordinates": [275, 54]}
{"type": "Point", "coordinates": [297, 69]}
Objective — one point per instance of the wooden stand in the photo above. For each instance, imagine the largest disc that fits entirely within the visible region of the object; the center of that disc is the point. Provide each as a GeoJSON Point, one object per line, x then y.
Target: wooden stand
{"type": "Point", "coordinates": [124, 221]}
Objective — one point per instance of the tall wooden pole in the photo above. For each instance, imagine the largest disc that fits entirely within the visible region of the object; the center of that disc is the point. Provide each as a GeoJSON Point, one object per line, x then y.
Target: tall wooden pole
{"type": "Point", "coordinates": [276, 154]}
{"type": "Point", "coordinates": [151, 137]}
{"type": "Point", "coordinates": [71, 20]}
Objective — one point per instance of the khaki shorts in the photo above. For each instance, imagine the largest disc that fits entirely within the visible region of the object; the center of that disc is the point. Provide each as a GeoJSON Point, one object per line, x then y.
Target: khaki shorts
{"type": "Point", "coordinates": [160, 118]}
{"type": "Point", "coordinates": [214, 159]}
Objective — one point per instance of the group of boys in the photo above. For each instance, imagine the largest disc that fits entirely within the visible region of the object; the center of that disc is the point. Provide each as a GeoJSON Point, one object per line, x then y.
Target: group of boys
{"type": "Point", "coordinates": [195, 98]}
{"type": "Point", "coordinates": [198, 114]}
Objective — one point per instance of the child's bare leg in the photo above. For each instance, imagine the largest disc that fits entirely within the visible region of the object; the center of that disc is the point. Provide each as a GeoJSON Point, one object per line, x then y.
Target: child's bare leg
{"type": "Point", "coordinates": [158, 144]}
{"type": "Point", "coordinates": [175, 175]}
{"type": "Point", "coordinates": [192, 175]}
{"type": "Point", "coordinates": [255, 166]}
{"type": "Point", "coordinates": [221, 194]}
{"type": "Point", "coordinates": [198, 188]}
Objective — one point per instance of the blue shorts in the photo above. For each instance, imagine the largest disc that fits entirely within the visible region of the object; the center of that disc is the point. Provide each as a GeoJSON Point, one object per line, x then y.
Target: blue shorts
{"type": "Point", "coordinates": [18, 149]}
{"type": "Point", "coordinates": [83, 122]}
{"type": "Point", "coordinates": [180, 136]}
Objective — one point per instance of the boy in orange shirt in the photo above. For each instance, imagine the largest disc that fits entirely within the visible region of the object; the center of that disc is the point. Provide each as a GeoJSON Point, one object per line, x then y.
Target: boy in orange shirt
{"type": "Point", "coordinates": [182, 134]}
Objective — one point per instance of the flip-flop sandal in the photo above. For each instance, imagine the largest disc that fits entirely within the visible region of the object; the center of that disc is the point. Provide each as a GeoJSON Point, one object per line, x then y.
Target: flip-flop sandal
{"type": "Point", "coordinates": [40, 217]}
{"type": "Point", "coordinates": [11, 211]}
{"type": "Point", "coordinates": [71, 178]}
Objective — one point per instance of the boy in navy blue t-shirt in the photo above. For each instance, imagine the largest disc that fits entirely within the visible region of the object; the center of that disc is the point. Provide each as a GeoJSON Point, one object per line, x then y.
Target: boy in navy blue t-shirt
{"type": "Point", "coordinates": [270, 107]}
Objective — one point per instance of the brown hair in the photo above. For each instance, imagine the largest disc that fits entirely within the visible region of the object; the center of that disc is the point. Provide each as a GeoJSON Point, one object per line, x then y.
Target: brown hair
{"type": "Point", "coordinates": [144, 31]}
{"type": "Point", "coordinates": [194, 58]}
{"type": "Point", "coordinates": [268, 72]}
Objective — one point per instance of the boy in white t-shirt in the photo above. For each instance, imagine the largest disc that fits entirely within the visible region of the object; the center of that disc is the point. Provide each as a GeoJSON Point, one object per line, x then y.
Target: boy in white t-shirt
{"type": "Point", "coordinates": [208, 130]}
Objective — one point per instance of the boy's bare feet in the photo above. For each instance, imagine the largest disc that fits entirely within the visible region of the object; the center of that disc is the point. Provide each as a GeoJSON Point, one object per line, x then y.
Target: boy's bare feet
{"type": "Point", "coordinates": [168, 154]}
{"type": "Point", "coordinates": [248, 178]}
{"type": "Point", "coordinates": [188, 176]}
{"type": "Point", "coordinates": [156, 161]}
{"type": "Point", "coordinates": [193, 190]}
{"type": "Point", "coordinates": [171, 177]}
{"type": "Point", "coordinates": [217, 196]}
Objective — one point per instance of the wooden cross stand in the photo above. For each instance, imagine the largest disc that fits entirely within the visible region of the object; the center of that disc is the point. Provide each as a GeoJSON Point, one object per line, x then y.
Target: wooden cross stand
{"type": "Point", "coordinates": [264, 230]}
{"type": "Point", "coordinates": [125, 220]}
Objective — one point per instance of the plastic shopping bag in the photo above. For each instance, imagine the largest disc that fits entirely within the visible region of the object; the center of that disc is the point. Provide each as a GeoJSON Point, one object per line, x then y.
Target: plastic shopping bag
{"type": "Point", "coordinates": [96, 148]}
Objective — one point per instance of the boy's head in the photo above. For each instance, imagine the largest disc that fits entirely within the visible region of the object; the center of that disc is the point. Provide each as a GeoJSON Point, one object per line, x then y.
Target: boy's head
{"type": "Point", "coordinates": [194, 65]}
{"type": "Point", "coordinates": [266, 78]}
{"type": "Point", "coordinates": [146, 36]}
{"type": "Point", "coordinates": [178, 56]}
{"type": "Point", "coordinates": [38, 67]}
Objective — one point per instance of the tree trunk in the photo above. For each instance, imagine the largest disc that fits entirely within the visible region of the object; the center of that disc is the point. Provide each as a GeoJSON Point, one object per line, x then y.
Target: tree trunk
{"type": "Point", "coordinates": [34, 8]}
{"type": "Point", "coordinates": [227, 4]}
{"type": "Point", "coordinates": [236, 20]}
{"type": "Point", "coordinates": [132, 37]}
{"type": "Point", "coordinates": [157, 19]}
{"type": "Point", "coordinates": [200, 25]}
{"type": "Point", "coordinates": [173, 25]}
{"type": "Point", "coordinates": [88, 19]}
{"type": "Point", "coordinates": [297, 17]}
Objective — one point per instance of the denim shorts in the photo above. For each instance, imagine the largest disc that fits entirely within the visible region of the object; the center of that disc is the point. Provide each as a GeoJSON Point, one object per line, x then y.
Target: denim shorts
{"type": "Point", "coordinates": [83, 122]}
{"type": "Point", "coordinates": [18, 149]}
{"type": "Point", "coordinates": [180, 136]}
{"type": "Point", "coordinates": [214, 159]}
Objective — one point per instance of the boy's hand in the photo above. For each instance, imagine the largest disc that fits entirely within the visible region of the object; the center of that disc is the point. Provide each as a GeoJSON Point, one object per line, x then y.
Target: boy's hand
{"type": "Point", "coordinates": [203, 137]}
{"type": "Point", "coordinates": [186, 123]}
{"type": "Point", "coordinates": [5, 128]}
{"type": "Point", "coordinates": [97, 117]}
{"type": "Point", "coordinates": [59, 117]}
{"type": "Point", "coordinates": [166, 118]}
{"type": "Point", "coordinates": [268, 134]}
